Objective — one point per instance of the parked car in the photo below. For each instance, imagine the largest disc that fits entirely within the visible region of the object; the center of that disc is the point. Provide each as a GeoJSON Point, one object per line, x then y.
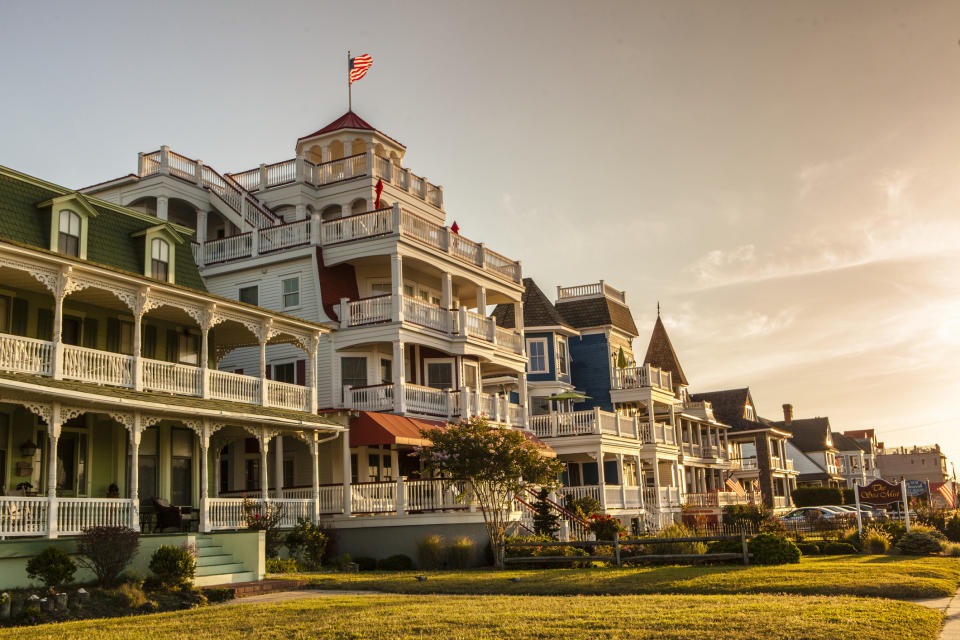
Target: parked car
{"type": "Point", "coordinates": [803, 514]}
{"type": "Point", "coordinates": [865, 512]}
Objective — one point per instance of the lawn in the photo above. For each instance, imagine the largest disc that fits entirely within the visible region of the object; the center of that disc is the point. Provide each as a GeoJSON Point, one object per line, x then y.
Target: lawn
{"type": "Point", "coordinates": [869, 576]}
{"type": "Point", "coordinates": [417, 617]}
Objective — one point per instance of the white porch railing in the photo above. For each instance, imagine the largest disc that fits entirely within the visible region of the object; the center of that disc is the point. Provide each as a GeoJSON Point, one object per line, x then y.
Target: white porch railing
{"type": "Point", "coordinates": [23, 516]}
{"type": "Point", "coordinates": [578, 492]}
{"type": "Point", "coordinates": [478, 326]}
{"type": "Point", "coordinates": [226, 513]}
{"type": "Point", "coordinates": [377, 397]}
{"type": "Point", "coordinates": [171, 378]}
{"type": "Point", "coordinates": [284, 236]}
{"type": "Point", "coordinates": [293, 509]}
{"type": "Point", "coordinates": [76, 514]}
{"type": "Point", "coordinates": [595, 422]}
{"type": "Point", "coordinates": [642, 377]}
{"type": "Point", "coordinates": [229, 248]}
{"type": "Point", "coordinates": [287, 396]}
{"type": "Point", "coordinates": [225, 385]}
{"type": "Point", "coordinates": [100, 367]}
{"type": "Point", "coordinates": [375, 497]}
{"type": "Point", "coordinates": [356, 227]}
{"type": "Point", "coordinates": [591, 290]}
{"type": "Point", "coordinates": [509, 339]}
{"type": "Point", "coordinates": [298, 493]}
{"type": "Point", "coordinates": [428, 315]}
{"type": "Point", "coordinates": [368, 311]}
{"type": "Point", "coordinates": [429, 495]}
{"type": "Point", "coordinates": [427, 400]}
{"type": "Point", "coordinates": [331, 498]}
{"type": "Point", "coordinates": [26, 355]}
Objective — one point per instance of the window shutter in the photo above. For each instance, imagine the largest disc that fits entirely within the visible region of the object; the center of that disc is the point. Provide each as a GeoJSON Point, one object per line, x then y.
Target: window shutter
{"type": "Point", "coordinates": [173, 345]}
{"type": "Point", "coordinates": [113, 335]}
{"type": "Point", "coordinates": [90, 333]}
{"type": "Point", "coordinates": [18, 320]}
{"type": "Point", "coordinates": [45, 324]}
{"type": "Point", "coordinates": [302, 372]}
{"type": "Point", "coordinates": [269, 372]}
{"type": "Point", "coordinates": [148, 341]}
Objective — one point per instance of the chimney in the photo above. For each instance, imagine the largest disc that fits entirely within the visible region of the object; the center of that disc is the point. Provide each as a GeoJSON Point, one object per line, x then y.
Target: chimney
{"type": "Point", "coordinates": [787, 414]}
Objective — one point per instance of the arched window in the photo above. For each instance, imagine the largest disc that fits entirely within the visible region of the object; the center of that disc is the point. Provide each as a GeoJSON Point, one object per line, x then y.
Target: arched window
{"type": "Point", "coordinates": [160, 259]}
{"type": "Point", "coordinates": [69, 239]}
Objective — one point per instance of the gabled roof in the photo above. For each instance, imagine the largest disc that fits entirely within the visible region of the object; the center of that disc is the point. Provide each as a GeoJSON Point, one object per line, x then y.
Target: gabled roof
{"type": "Point", "coordinates": [596, 312]}
{"type": "Point", "coordinates": [660, 353]}
{"type": "Point", "coordinates": [538, 311]}
{"type": "Point", "coordinates": [845, 443]}
{"type": "Point", "coordinates": [349, 120]}
{"type": "Point", "coordinates": [809, 434]}
{"type": "Point", "coordinates": [728, 408]}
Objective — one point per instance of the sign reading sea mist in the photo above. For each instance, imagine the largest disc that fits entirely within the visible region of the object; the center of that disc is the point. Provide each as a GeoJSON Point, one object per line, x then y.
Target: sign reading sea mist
{"type": "Point", "coordinates": [880, 492]}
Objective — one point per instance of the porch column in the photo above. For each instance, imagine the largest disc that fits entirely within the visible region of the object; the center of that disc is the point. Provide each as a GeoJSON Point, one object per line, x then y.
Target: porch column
{"type": "Point", "coordinates": [656, 480]}
{"type": "Point", "coordinates": [57, 364]}
{"type": "Point", "coordinates": [315, 476]}
{"type": "Point", "coordinates": [137, 347]}
{"type": "Point", "coordinates": [205, 477]}
{"type": "Point", "coordinates": [201, 230]}
{"type": "Point", "coordinates": [482, 301]}
{"type": "Point", "coordinates": [623, 481]}
{"type": "Point", "coordinates": [162, 207]}
{"type": "Point", "coordinates": [673, 421]}
{"type": "Point", "coordinates": [396, 286]}
{"type": "Point", "coordinates": [399, 384]}
{"type": "Point", "coordinates": [524, 403]}
{"type": "Point", "coordinates": [53, 437]}
{"type": "Point", "coordinates": [314, 346]}
{"type": "Point", "coordinates": [278, 466]}
{"type": "Point", "coordinates": [651, 416]}
{"type": "Point", "coordinates": [347, 473]}
{"type": "Point", "coordinates": [264, 475]}
{"type": "Point", "coordinates": [204, 358]}
{"type": "Point", "coordinates": [262, 339]}
{"type": "Point", "coordinates": [446, 290]}
{"type": "Point", "coordinates": [603, 481]}
{"type": "Point", "coordinates": [134, 489]}
{"type": "Point", "coordinates": [639, 472]}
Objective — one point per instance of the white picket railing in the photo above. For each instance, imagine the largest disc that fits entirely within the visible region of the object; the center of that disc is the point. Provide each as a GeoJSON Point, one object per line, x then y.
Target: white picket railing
{"type": "Point", "coordinates": [427, 400]}
{"type": "Point", "coordinates": [226, 513]}
{"type": "Point", "coordinates": [592, 491]}
{"type": "Point", "coordinates": [430, 495]}
{"type": "Point", "coordinates": [428, 315]}
{"type": "Point", "coordinates": [515, 415]}
{"type": "Point", "coordinates": [229, 248]}
{"type": "Point", "coordinates": [287, 396]}
{"type": "Point", "coordinates": [172, 378]}
{"type": "Point", "coordinates": [76, 514]}
{"type": "Point", "coordinates": [373, 497]}
{"type": "Point", "coordinates": [298, 493]}
{"type": "Point", "coordinates": [642, 377]}
{"type": "Point", "coordinates": [23, 516]}
{"type": "Point", "coordinates": [430, 233]}
{"type": "Point", "coordinates": [371, 398]}
{"type": "Point", "coordinates": [369, 310]}
{"type": "Point", "coordinates": [284, 236]}
{"type": "Point", "coordinates": [331, 498]}
{"type": "Point", "coordinates": [26, 355]}
{"type": "Point", "coordinates": [355, 227]}
{"type": "Point", "coordinates": [479, 326]}
{"type": "Point", "coordinates": [236, 387]}
{"type": "Point", "coordinates": [510, 339]}
{"type": "Point", "coordinates": [100, 367]}
{"type": "Point", "coordinates": [292, 510]}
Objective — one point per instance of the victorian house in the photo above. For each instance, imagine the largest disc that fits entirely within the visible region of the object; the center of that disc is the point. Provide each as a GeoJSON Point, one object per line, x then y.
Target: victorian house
{"type": "Point", "coordinates": [812, 449]}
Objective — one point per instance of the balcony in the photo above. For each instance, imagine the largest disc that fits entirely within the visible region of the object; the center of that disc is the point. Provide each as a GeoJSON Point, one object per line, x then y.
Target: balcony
{"type": "Point", "coordinates": [437, 403]}
{"type": "Point", "coordinates": [720, 498]}
{"type": "Point", "coordinates": [643, 377]}
{"type": "Point", "coordinates": [610, 496]}
{"type": "Point", "coordinates": [696, 450]}
{"type": "Point", "coordinates": [455, 323]}
{"type": "Point", "coordinates": [28, 355]}
{"type": "Point", "coordinates": [703, 409]}
{"type": "Point", "coordinates": [597, 422]}
{"type": "Point", "coordinates": [400, 222]}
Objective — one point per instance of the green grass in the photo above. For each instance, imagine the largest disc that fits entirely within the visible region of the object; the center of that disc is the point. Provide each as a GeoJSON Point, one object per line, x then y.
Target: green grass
{"type": "Point", "coordinates": [869, 576]}
{"type": "Point", "coordinates": [417, 617]}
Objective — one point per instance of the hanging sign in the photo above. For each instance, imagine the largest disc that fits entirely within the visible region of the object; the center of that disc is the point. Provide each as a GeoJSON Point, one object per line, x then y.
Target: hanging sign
{"type": "Point", "coordinates": [879, 492]}
{"type": "Point", "coordinates": [916, 488]}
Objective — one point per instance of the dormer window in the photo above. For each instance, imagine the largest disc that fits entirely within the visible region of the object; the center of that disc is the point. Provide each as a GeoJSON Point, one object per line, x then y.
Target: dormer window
{"type": "Point", "coordinates": [68, 240]}
{"type": "Point", "coordinates": [160, 259]}
{"type": "Point", "coordinates": [748, 412]}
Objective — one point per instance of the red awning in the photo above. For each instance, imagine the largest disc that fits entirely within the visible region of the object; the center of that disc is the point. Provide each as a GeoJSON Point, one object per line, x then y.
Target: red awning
{"type": "Point", "coordinates": [370, 429]}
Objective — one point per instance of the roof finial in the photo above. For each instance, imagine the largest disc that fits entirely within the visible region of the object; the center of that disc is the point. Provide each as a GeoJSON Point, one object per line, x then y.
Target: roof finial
{"type": "Point", "coordinates": [658, 308]}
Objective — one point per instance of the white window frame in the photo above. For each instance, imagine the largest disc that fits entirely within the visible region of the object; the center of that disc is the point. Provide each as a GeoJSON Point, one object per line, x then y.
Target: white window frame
{"type": "Point", "coordinates": [565, 369]}
{"type": "Point", "coordinates": [284, 293]}
{"type": "Point", "coordinates": [426, 369]}
{"type": "Point", "coordinates": [546, 356]}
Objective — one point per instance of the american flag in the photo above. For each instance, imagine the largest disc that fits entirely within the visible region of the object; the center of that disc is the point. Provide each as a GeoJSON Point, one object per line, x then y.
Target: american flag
{"type": "Point", "coordinates": [359, 66]}
{"type": "Point", "coordinates": [736, 487]}
{"type": "Point", "coordinates": [947, 493]}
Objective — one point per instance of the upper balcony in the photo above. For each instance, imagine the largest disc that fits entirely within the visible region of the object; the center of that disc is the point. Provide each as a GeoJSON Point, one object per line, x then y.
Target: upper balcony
{"type": "Point", "coordinates": [408, 398]}
{"type": "Point", "coordinates": [595, 422]}
{"type": "Point", "coordinates": [643, 377]}
{"type": "Point", "coordinates": [751, 464]}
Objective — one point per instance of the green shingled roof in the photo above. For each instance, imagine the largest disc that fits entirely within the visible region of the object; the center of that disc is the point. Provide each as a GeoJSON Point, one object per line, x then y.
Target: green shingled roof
{"type": "Point", "coordinates": [109, 241]}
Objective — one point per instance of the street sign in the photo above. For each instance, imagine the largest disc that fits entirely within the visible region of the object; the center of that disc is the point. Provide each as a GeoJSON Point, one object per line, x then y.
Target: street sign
{"type": "Point", "coordinates": [879, 492]}
{"type": "Point", "coordinates": [916, 488]}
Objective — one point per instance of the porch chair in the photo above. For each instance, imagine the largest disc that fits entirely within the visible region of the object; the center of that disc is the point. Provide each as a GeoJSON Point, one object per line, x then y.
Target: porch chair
{"type": "Point", "coordinates": [167, 515]}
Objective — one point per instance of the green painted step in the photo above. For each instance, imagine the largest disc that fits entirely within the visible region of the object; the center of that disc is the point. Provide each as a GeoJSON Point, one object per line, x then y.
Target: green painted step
{"type": "Point", "coordinates": [226, 578]}
{"type": "Point", "coordinates": [210, 570]}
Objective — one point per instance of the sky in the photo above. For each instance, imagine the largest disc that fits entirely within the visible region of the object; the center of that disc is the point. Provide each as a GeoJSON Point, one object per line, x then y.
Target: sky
{"type": "Point", "coordinates": [781, 177]}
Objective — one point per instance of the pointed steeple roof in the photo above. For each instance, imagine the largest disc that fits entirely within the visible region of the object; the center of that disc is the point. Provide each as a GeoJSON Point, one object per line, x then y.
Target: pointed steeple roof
{"type": "Point", "coordinates": [349, 120]}
{"type": "Point", "coordinates": [538, 311]}
{"type": "Point", "coordinates": [660, 353]}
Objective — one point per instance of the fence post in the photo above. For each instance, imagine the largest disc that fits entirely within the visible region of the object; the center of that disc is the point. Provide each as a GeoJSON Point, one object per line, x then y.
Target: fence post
{"type": "Point", "coordinates": [746, 548]}
{"type": "Point", "coordinates": [616, 550]}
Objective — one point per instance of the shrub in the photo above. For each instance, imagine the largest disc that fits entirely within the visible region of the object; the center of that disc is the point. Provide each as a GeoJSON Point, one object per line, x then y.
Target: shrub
{"type": "Point", "coordinates": [286, 565]}
{"type": "Point", "coordinates": [953, 529]}
{"type": "Point", "coordinates": [583, 506]}
{"type": "Point", "coordinates": [808, 548]}
{"type": "Point", "coordinates": [951, 549]}
{"type": "Point", "coordinates": [769, 548]}
{"type": "Point", "coordinates": [173, 566]}
{"type": "Point", "coordinates": [365, 563]}
{"type": "Point", "coordinates": [875, 540]}
{"type": "Point", "coordinates": [676, 531]}
{"type": "Point", "coordinates": [430, 552]}
{"type": "Point", "coordinates": [815, 496]}
{"type": "Point", "coordinates": [264, 518]}
{"type": "Point", "coordinates": [919, 543]}
{"type": "Point", "coordinates": [894, 529]}
{"type": "Point", "coordinates": [106, 551]}
{"type": "Point", "coordinates": [725, 546]}
{"type": "Point", "coordinates": [851, 537]}
{"type": "Point", "coordinates": [545, 518]}
{"type": "Point", "coordinates": [127, 596]}
{"type": "Point", "coordinates": [397, 562]}
{"type": "Point", "coordinates": [606, 527]}
{"type": "Point", "coordinates": [745, 515]}
{"type": "Point", "coordinates": [549, 548]}
{"type": "Point", "coordinates": [460, 553]}
{"type": "Point", "coordinates": [307, 543]}
{"type": "Point", "coordinates": [52, 566]}
{"type": "Point", "coordinates": [839, 548]}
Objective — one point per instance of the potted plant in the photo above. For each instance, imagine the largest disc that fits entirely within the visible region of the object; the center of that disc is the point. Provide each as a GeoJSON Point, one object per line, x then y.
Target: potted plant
{"type": "Point", "coordinates": [113, 491]}
{"type": "Point", "coordinates": [24, 487]}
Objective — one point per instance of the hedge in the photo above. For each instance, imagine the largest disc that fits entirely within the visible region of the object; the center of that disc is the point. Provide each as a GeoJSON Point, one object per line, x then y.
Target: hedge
{"type": "Point", "coordinates": [816, 496]}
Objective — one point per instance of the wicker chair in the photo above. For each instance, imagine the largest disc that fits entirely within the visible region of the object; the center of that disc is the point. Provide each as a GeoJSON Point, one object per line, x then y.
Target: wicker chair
{"type": "Point", "coordinates": [167, 515]}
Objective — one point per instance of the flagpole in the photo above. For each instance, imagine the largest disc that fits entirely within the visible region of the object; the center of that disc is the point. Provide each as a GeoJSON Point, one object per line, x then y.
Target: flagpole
{"type": "Point", "coordinates": [349, 85]}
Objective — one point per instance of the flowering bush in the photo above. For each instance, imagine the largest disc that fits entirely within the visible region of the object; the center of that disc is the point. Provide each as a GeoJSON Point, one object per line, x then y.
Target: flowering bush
{"type": "Point", "coordinates": [260, 517]}
{"type": "Point", "coordinates": [606, 527]}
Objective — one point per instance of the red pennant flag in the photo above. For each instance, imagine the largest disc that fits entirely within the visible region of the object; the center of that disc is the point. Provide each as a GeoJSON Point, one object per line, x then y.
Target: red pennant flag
{"type": "Point", "coordinates": [455, 227]}
{"type": "Point", "coordinates": [379, 190]}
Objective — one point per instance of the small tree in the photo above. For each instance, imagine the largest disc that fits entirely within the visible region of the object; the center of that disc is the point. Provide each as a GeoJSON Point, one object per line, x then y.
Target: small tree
{"type": "Point", "coordinates": [546, 520]}
{"type": "Point", "coordinates": [53, 567]}
{"type": "Point", "coordinates": [106, 551]}
{"type": "Point", "coordinates": [493, 463]}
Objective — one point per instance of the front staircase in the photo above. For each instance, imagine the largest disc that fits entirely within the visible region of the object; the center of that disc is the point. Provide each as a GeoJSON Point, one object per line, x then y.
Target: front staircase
{"type": "Point", "coordinates": [217, 567]}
